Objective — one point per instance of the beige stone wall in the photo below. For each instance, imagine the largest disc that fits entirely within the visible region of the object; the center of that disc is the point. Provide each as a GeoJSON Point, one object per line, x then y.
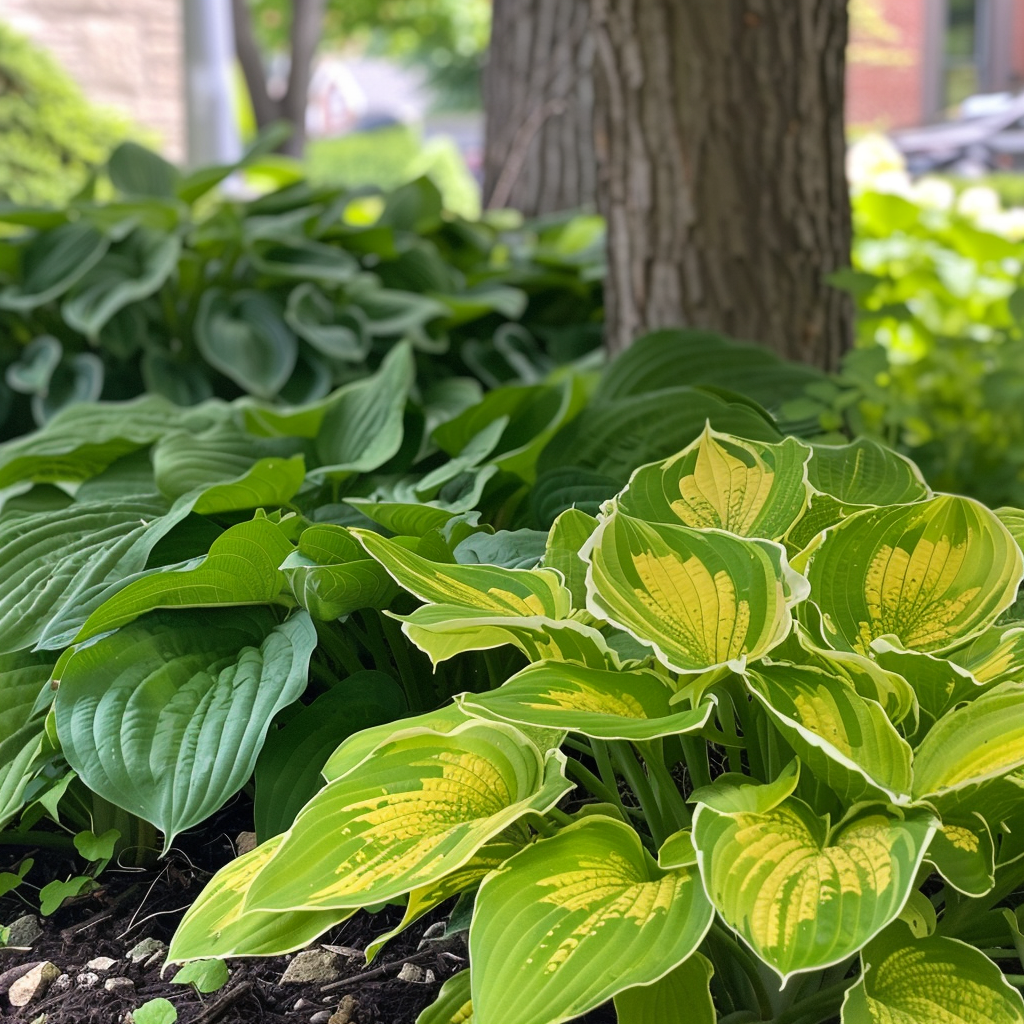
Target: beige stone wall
{"type": "Point", "coordinates": [124, 53]}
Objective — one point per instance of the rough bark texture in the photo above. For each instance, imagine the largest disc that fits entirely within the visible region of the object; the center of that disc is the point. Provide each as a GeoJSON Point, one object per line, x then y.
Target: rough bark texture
{"type": "Point", "coordinates": [720, 147]}
{"type": "Point", "coordinates": [538, 91]}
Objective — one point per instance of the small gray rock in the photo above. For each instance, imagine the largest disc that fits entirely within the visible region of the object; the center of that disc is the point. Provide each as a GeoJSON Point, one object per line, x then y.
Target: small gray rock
{"type": "Point", "coordinates": [87, 979]}
{"type": "Point", "coordinates": [33, 985]}
{"type": "Point", "coordinates": [120, 986]}
{"type": "Point", "coordinates": [61, 984]}
{"type": "Point", "coordinates": [100, 963]}
{"type": "Point", "coordinates": [323, 1017]}
{"type": "Point", "coordinates": [303, 1004]}
{"type": "Point", "coordinates": [313, 967]}
{"type": "Point", "coordinates": [24, 931]}
{"type": "Point", "coordinates": [146, 950]}
{"type": "Point", "coordinates": [412, 973]}
{"type": "Point", "coordinates": [346, 1011]}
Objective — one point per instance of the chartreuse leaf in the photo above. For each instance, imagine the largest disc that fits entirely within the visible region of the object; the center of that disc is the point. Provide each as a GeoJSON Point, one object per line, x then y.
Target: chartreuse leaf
{"type": "Point", "coordinates": [845, 739]}
{"type": "Point", "coordinates": [971, 744]}
{"type": "Point", "coordinates": [996, 655]}
{"type": "Point", "coordinates": [595, 702]}
{"type": "Point", "coordinates": [865, 473]}
{"type": "Point", "coordinates": [241, 568]}
{"type": "Point", "coordinates": [573, 920]}
{"type": "Point", "coordinates": [801, 894]}
{"type": "Point", "coordinates": [686, 990]}
{"type": "Point", "coordinates": [749, 488]}
{"type": "Point", "coordinates": [932, 574]}
{"type": "Point", "coordinates": [288, 769]}
{"type": "Point", "coordinates": [566, 538]}
{"type": "Point", "coordinates": [454, 1004]}
{"type": "Point", "coordinates": [216, 926]}
{"type": "Point", "coordinates": [417, 808]}
{"type": "Point", "coordinates": [488, 858]}
{"type": "Point", "coordinates": [181, 702]}
{"type": "Point", "coordinates": [701, 599]}
{"type": "Point", "coordinates": [932, 980]}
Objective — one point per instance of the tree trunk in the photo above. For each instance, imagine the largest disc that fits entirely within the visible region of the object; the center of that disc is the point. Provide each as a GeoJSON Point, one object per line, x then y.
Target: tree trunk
{"type": "Point", "coordinates": [721, 169]}
{"type": "Point", "coordinates": [538, 93]}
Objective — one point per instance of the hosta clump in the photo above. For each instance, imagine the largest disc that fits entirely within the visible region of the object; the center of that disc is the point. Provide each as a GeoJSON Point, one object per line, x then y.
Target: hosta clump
{"type": "Point", "coordinates": [765, 762]}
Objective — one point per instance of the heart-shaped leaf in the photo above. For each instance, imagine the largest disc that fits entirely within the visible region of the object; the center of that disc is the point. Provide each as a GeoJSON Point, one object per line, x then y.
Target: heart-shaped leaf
{"type": "Point", "coordinates": [865, 473]}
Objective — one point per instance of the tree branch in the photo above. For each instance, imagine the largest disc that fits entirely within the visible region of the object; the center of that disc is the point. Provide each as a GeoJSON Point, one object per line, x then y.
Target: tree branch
{"type": "Point", "coordinates": [307, 27]}
{"type": "Point", "coordinates": [265, 109]}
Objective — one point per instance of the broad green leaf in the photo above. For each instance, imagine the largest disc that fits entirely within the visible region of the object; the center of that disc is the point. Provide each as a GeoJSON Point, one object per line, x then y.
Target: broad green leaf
{"type": "Point", "coordinates": [686, 991]}
{"type": "Point", "coordinates": [288, 768]}
{"type": "Point", "coordinates": [939, 684]}
{"type": "Point", "coordinates": [933, 980]}
{"type": "Point", "coordinates": [973, 743]}
{"type": "Point", "coordinates": [328, 592]}
{"type": "Point", "coordinates": [700, 599]}
{"type": "Point", "coordinates": [336, 332]}
{"type": "Point", "coordinates": [406, 519]}
{"type": "Point", "coordinates": [241, 568]}
{"type": "Point", "coordinates": [303, 261]}
{"type": "Point", "coordinates": [573, 920]}
{"type": "Point", "coordinates": [204, 975]}
{"type": "Point", "coordinates": [32, 372]}
{"type": "Point", "coordinates": [418, 808]}
{"type": "Point", "coordinates": [135, 170]}
{"type": "Point", "coordinates": [270, 483]}
{"type": "Point", "coordinates": [996, 655]}
{"type": "Point", "coordinates": [801, 894]}
{"type": "Point", "coordinates": [216, 926]}
{"type": "Point", "coordinates": [845, 739]}
{"type": "Point", "coordinates": [569, 533]}
{"type": "Point", "coordinates": [720, 482]}
{"type": "Point", "coordinates": [183, 701]}
{"type": "Point", "coordinates": [932, 574]}
{"type": "Point", "coordinates": [507, 549]}
{"type": "Point", "coordinates": [155, 1011]}
{"type": "Point", "coordinates": [964, 854]}
{"type": "Point", "coordinates": [602, 704]}
{"type": "Point", "coordinates": [865, 473]}
{"type": "Point", "coordinates": [453, 1005]}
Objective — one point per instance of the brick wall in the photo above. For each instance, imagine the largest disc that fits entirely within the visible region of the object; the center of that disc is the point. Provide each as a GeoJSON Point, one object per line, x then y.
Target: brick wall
{"type": "Point", "coordinates": [125, 53]}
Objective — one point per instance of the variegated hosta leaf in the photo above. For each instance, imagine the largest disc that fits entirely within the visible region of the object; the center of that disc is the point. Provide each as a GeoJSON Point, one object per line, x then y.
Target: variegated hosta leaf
{"type": "Point", "coordinates": [484, 588]}
{"type": "Point", "coordinates": [933, 980]}
{"type": "Point", "coordinates": [415, 810]}
{"type": "Point", "coordinates": [595, 702]}
{"type": "Point", "coordinates": [453, 1004]}
{"type": "Point", "coordinates": [488, 858]}
{"type": "Point", "coordinates": [1013, 520]}
{"type": "Point", "coordinates": [932, 574]}
{"type": "Point", "coordinates": [684, 992]}
{"type": "Point", "coordinates": [963, 852]}
{"type": "Point", "coordinates": [721, 482]}
{"type": "Point", "coordinates": [701, 599]}
{"type": "Point", "coordinates": [865, 473]}
{"type": "Point", "coordinates": [569, 532]}
{"type": "Point", "coordinates": [846, 740]}
{"type": "Point", "coordinates": [996, 655]}
{"type": "Point", "coordinates": [971, 744]}
{"type": "Point", "coordinates": [216, 925]}
{"type": "Point", "coordinates": [802, 895]}
{"type": "Point", "coordinates": [573, 920]}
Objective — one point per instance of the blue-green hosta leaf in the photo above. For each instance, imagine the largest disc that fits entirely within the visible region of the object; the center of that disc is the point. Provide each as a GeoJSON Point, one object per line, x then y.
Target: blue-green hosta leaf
{"type": "Point", "coordinates": [685, 990]}
{"type": "Point", "coordinates": [933, 574]}
{"type": "Point", "coordinates": [241, 568]}
{"type": "Point", "coordinates": [964, 853]}
{"type": "Point", "coordinates": [216, 926]}
{"type": "Point", "coordinates": [182, 702]}
{"type": "Point", "coordinates": [996, 655]}
{"type": "Point", "coordinates": [700, 599]}
{"type": "Point", "coordinates": [804, 896]}
{"type": "Point", "coordinates": [507, 549]}
{"type": "Point", "coordinates": [454, 1004]}
{"type": "Point", "coordinates": [865, 473]}
{"type": "Point", "coordinates": [845, 739]}
{"type": "Point", "coordinates": [573, 920]}
{"type": "Point", "coordinates": [603, 704]}
{"type": "Point", "coordinates": [289, 766]}
{"type": "Point", "coordinates": [336, 332]}
{"type": "Point", "coordinates": [933, 980]}
{"type": "Point", "coordinates": [416, 809]}
{"type": "Point", "coordinates": [566, 538]}
{"type": "Point", "coordinates": [304, 260]}
{"type": "Point", "coordinates": [721, 482]}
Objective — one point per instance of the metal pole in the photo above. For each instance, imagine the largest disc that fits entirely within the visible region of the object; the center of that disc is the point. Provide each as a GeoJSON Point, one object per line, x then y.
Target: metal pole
{"type": "Point", "coordinates": [209, 62]}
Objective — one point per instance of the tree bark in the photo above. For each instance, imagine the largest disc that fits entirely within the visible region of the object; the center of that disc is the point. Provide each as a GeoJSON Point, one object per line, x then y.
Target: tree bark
{"type": "Point", "coordinates": [721, 169]}
{"type": "Point", "coordinates": [538, 94]}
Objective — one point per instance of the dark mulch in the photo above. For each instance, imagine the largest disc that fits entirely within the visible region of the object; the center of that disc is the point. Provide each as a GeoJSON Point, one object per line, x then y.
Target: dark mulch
{"type": "Point", "coordinates": [134, 905]}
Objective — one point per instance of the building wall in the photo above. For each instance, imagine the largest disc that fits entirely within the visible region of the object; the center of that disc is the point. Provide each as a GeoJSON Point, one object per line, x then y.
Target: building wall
{"type": "Point", "coordinates": [125, 53]}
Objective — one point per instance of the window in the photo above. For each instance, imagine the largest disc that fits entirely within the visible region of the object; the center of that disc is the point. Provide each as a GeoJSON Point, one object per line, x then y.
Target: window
{"type": "Point", "coordinates": [961, 64]}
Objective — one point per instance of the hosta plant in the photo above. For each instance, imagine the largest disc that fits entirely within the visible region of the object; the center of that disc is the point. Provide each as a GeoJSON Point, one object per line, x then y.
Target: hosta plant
{"type": "Point", "coordinates": [763, 761]}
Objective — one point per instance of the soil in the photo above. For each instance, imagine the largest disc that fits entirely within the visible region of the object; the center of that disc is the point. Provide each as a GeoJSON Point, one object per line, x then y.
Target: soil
{"type": "Point", "coordinates": [132, 905]}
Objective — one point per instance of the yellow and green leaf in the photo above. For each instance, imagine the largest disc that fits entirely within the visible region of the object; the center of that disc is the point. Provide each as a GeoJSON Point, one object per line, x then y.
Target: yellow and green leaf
{"type": "Point", "coordinates": [932, 574]}
{"type": "Point", "coordinates": [416, 809]}
{"type": "Point", "coordinates": [600, 703]}
{"type": "Point", "coordinates": [996, 655]}
{"type": "Point", "coordinates": [802, 895]}
{"type": "Point", "coordinates": [573, 920]}
{"type": "Point", "coordinates": [700, 599]}
{"type": "Point", "coordinates": [453, 1004]}
{"type": "Point", "coordinates": [963, 852]}
{"type": "Point", "coordinates": [721, 482]}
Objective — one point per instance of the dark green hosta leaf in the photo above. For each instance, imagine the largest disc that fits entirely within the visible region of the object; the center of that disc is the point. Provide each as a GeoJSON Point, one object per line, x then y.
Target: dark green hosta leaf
{"type": "Point", "coordinates": [569, 487]}
{"type": "Point", "coordinates": [391, 313]}
{"type": "Point", "coordinates": [135, 170]}
{"type": "Point", "coordinates": [52, 262]}
{"type": "Point", "coordinates": [865, 473]}
{"type": "Point", "coordinates": [288, 769]}
{"type": "Point", "coordinates": [78, 379]}
{"type": "Point", "coordinates": [245, 337]}
{"type": "Point", "coordinates": [336, 332]}
{"type": "Point", "coordinates": [510, 549]}
{"type": "Point", "coordinates": [182, 702]}
{"type": "Point", "coordinates": [573, 920]}
{"type": "Point", "coordinates": [929, 980]}
{"type": "Point", "coordinates": [31, 374]}
{"type": "Point", "coordinates": [304, 261]}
